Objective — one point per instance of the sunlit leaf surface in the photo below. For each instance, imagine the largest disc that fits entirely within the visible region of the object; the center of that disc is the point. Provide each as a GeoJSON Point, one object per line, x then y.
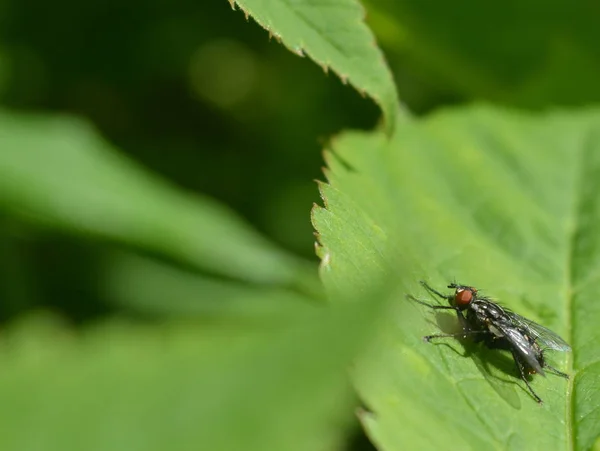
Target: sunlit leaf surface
{"type": "Point", "coordinates": [504, 201]}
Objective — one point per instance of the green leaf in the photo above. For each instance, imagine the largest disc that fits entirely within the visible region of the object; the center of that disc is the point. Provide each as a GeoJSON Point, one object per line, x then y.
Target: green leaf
{"type": "Point", "coordinates": [179, 387]}
{"type": "Point", "coordinates": [59, 173]}
{"type": "Point", "coordinates": [507, 202]}
{"type": "Point", "coordinates": [507, 52]}
{"type": "Point", "coordinates": [335, 36]}
{"type": "Point", "coordinates": [161, 290]}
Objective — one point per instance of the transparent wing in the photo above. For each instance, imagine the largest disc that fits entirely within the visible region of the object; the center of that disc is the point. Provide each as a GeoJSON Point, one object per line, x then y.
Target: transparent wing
{"type": "Point", "coordinates": [543, 335]}
{"type": "Point", "coordinates": [521, 345]}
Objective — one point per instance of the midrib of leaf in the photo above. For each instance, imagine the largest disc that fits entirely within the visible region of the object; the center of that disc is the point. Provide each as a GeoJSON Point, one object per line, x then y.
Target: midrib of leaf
{"type": "Point", "coordinates": [581, 177]}
{"type": "Point", "coordinates": [569, 304]}
{"type": "Point", "coordinates": [306, 21]}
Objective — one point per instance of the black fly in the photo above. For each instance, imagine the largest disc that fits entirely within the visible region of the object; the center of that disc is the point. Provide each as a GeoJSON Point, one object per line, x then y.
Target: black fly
{"type": "Point", "coordinates": [499, 328]}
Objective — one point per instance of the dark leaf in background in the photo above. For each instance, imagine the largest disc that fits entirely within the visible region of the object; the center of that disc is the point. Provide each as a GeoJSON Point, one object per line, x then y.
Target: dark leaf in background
{"type": "Point", "coordinates": [530, 54]}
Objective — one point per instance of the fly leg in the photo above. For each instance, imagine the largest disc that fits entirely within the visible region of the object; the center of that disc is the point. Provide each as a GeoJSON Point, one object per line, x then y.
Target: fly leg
{"type": "Point", "coordinates": [524, 376]}
{"type": "Point", "coordinates": [437, 293]}
{"type": "Point", "coordinates": [433, 306]}
{"type": "Point", "coordinates": [463, 334]}
{"type": "Point", "coordinates": [555, 371]}
{"type": "Point", "coordinates": [464, 324]}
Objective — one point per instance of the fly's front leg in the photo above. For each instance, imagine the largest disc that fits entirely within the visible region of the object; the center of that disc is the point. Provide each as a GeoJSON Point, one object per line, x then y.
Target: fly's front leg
{"type": "Point", "coordinates": [437, 293]}
{"type": "Point", "coordinates": [432, 306]}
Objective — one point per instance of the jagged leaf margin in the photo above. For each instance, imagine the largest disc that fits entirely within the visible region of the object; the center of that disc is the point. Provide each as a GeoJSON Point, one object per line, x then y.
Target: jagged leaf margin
{"type": "Point", "coordinates": [335, 36]}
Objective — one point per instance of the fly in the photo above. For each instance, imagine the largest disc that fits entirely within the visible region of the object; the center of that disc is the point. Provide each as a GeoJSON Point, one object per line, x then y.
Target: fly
{"type": "Point", "coordinates": [499, 328]}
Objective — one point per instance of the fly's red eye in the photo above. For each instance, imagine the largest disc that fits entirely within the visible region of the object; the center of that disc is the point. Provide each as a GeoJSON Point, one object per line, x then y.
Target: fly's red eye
{"type": "Point", "coordinates": [463, 297]}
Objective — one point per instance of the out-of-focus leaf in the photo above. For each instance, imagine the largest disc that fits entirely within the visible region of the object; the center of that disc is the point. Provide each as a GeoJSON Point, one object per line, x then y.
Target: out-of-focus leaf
{"type": "Point", "coordinates": [530, 53]}
{"type": "Point", "coordinates": [58, 172]}
{"type": "Point", "coordinates": [507, 202]}
{"type": "Point", "coordinates": [178, 387]}
{"type": "Point", "coordinates": [160, 289]}
{"type": "Point", "coordinates": [335, 36]}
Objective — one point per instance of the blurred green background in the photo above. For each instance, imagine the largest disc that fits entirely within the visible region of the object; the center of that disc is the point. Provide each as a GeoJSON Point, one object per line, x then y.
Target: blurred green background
{"type": "Point", "coordinates": [191, 91]}
{"type": "Point", "coordinates": [194, 93]}
{"type": "Point", "coordinates": [199, 96]}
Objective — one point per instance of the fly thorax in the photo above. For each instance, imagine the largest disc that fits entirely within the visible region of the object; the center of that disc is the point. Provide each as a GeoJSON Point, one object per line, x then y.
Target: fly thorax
{"type": "Point", "coordinates": [478, 309]}
{"type": "Point", "coordinates": [480, 312]}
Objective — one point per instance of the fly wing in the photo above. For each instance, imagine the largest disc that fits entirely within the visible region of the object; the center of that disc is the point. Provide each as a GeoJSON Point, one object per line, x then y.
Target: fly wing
{"type": "Point", "coordinates": [521, 345]}
{"type": "Point", "coordinates": [543, 335]}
